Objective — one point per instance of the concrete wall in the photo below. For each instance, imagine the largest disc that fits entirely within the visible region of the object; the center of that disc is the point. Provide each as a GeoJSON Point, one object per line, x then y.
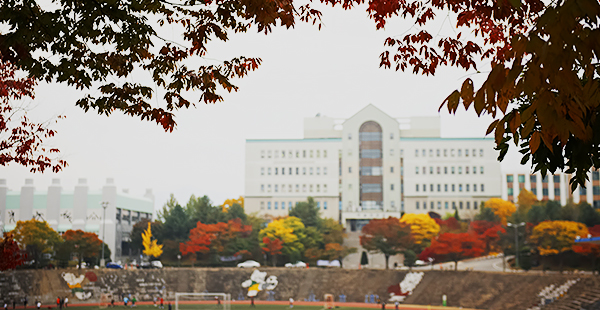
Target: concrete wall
{"type": "Point", "coordinates": [467, 289]}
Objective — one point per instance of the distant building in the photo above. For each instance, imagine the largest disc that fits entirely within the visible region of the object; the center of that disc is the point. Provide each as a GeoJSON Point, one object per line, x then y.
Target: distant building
{"type": "Point", "coordinates": [553, 187]}
{"type": "Point", "coordinates": [80, 208]}
{"type": "Point", "coordinates": [371, 166]}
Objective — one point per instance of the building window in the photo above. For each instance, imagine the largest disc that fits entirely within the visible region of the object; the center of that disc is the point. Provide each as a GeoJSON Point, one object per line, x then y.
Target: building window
{"type": "Point", "coordinates": [452, 169]}
{"type": "Point", "coordinates": [439, 188]}
{"type": "Point", "coordinates": [545, 191]}
{"type": "Point", "coordinates": [276, 171]}
{"type": "Point", "coordinates": [324, 170]}
{"type": "Point", "coordinates": [556, 179]}
{"type": "Point", "coordinates": [269, 188]}
{"type": "Point", "coordinates": [310, 188]}
{"type": "Point", "coordinates": [269, 205]}
{"type": "Point", "coordinates": [451, 152]}
{"type": "Point", "coordinates": [545, 179]}
{"type": "Point", "coordinates": [468, 205]}
{"type": "Point", "coordinates": [262, 171]}
{"type": "Point", "coordinates": [466, 152]}
{"type": "Point", "coordinates": [446, 205]}
{"type": "Point", "coordinates": [467, 170]}
{"type": "Point", "coordinates": [460, 170]}
{"type": "Point", "coordinates": [424, 170]}
{"type": "Point", "coordinates": [453, 188]}
{"type": "Point", "coordinates": [262, 154]}
{"type": "Point", "coordinates": [596, 190]}
{"type": "Point", "coordinates": [481, 170]}
{"type": "Point", "coordinates": [392, 136]}
{"type": "Point", "coordinates": [324, 205]}
{"type": "Point", "coordinates": [460, 205]}
{"type": "Point", "coordinates": [318, 188]}
{"type": "Point", "coordinates": [262, 188]}
{"type": "Point", "coordinates": [582, 191]}
{"type": "Point", "coordinates": [459, 152]}
{"type": "Point", "coordinates": [439, 170]}
{"type": "Point", "coordinates": [325, 188]}
{"type": "Point", "coordinates": [480, 152]}
{"type": "Point", "coordinates": [318, 205]}
{"type": "Point", "coordinates": [392, 169]}
{"type": "Point", "coordinates": [311, 153]}
{"type": "Point", "coordinates": [269, 154]}
{"type": "Point", "coordinates": [424, 187]}
{"type": "Point", "coordinates": [431, 188]}
{"type": "Point", "coordinates": [445, 153]}
{"type": "Point", "coordinates": [269, 171]}
{"type": "Point", "coordinates": [350, 186]}
{"type": "Point", "coordinates": [467, 187]}
{"type": "Point", "coordinates": [290, 154]}
{"type": "Point", "coordinates": [509, 178]}
{"type": "Point", "coordinates": [474, 170]}
{"type": "Point", "coordinates": [304, 188]}
{"type": "Point", "coordinates": [349, 136]}
{"type": "Point", "coordinates": [454, 205]}
{"type": "Point", "coordinates": [262, 205]}
{"type": "Point", "coordinates": [310, 170]}
{"type": "Point", "coordinates": [318, 170]}
{"type": "Point", "coordinates": [275, 187]}
{"type": "Point", "coordinates": [290, 171]}
{"type": "Point", "coordinates": [391, 152]}
{"type": "Point", "coordinates": [416, 153]}
{"type": "Point", "coordinates": [318, 153]}
{"type": "Point", "coordinates": [324, 153]}
{"type": "Point", "coordinates": [303, 170]}
{"type": "Point", "coordinates": [437, 152]}
{"type": "Point", "coordinates": [276, 205]}
{"type": "Point", "coordinates": [557, 192]}
{"type": "Point", "coordinates": [534, 191]}
{"type": "Point", "coordinates": [482, 188]}
{"type": "Point", "coordinates": [297, 188]}
{"type": "Point", "coordinates": [349, 169]}
{"type": "Point", "coordinates": [417, 187]}
{"type": "Point", "coordinates": [533, 180]}
{"type": "Point", "coordinates": [430, 170]}
{"type": "Point", "coordinates": [475, 202]}
{"type": "Point", "coordinates": [416, 170]}
{"type": "Point", "coordinates": [445, 187]}
{"type": "Point", "coordinates": [445, 170]}
{"type": "Point", "coordinates": [595, 175]}
{"type": "Point", "coordinates": [417, 205]}
{"type": "Point", "coordinates": [303, 153]}
{"type": "Point", "coordinates": [510, 191]}
{"type": "Point", "coordinates": [431, 205]}
{"type": "Point", "coordinates": [297, 171]}
{"type": "Point", "coordinates": [430, 153]}
{"type": "Point", "coordinates": [391, 187]}
{"type": "Point", "coordinates": [423, 152]}
{"type": "Point", "coordinates": [460, 187]}
{"type": "Point", "coordinates": [282, 171]}
{"type": "Point", "coordinates": [521, 178]}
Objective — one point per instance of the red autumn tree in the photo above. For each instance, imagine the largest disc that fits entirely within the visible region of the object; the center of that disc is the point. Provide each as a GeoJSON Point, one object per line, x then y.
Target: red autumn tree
{"type": "Point", "coordinates": [450, 224]}
{"type": "Point", "coordinates": [220, 238]}
{"type": "Point", "coordinates": [455, 247]}
{"type": "Point", "coordinates": [272, 247]}
{"type": "Point", "coordinates": [589, 249]}
{"type": "Point", "coordinates": [10, 256]}
{"type": "Point", "coordinates": [386, 236]}
{"type": "Point", "coordinates": [21, 141]}
{"type": "Point", "coordinates": [488, 232]}
{"type": "Point", "coordinates": [82, 244]}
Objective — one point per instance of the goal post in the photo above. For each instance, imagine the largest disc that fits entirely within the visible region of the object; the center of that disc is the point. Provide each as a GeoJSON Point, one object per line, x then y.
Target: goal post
{"type": "Point", "coordinates": [202, 301]}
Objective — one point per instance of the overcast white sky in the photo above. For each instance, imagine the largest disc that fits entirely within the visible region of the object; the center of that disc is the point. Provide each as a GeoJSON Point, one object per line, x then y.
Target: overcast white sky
{"type": "Point", "coordinates": [334, 71]}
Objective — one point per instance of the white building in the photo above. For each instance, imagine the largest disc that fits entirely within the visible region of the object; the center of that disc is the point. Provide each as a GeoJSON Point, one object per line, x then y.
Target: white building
{"type": "Point", "coordinates": [371, 166]}
{"type": "Point", "coordinates": [552, 187]}
{"type": "Point", "coordinates": [79, 208]}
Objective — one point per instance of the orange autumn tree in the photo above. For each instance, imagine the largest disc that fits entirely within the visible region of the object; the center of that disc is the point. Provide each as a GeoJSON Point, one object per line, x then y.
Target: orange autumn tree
{"type": "Point", "coordinates": [386, 236]}
{"type": "Point", "coordinates": [455, 247]}
{"type": "Point", "coordinates": [220, 238]}
{"type": "Point", "coordinates": [83, 244]}
{"type": "Point", "coordinates": [272, 247]}
{"type": "Point", "coordinates": [557, 237]}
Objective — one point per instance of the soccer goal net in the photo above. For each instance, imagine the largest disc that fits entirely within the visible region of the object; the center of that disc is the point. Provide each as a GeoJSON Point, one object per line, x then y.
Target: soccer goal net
{"type": "Point", "coordinates": [202, 301]}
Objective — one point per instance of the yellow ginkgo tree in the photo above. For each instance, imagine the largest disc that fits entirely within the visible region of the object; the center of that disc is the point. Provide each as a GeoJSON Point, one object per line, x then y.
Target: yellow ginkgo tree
{"type": "Point", "coordinates": [151, 247]}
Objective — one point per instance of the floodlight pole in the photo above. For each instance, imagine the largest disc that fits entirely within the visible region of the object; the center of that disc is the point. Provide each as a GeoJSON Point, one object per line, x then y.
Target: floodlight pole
{"type": "Point", "coordinates": [516, 226]}
{"type": "Point", "coordinates": [104, 206]}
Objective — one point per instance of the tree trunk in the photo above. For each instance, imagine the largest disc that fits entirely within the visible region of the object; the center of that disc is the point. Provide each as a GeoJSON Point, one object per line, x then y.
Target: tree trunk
{"type": "Point", "coordinates": [387, 260]}
{"type": "Point", "coordinates": [274, 259]}
{"type": "Point", "coordinates": [455, 265]}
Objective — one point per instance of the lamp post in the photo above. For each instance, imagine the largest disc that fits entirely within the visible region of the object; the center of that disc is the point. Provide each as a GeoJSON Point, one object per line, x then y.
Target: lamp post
{"type": "Point", "coordinates": [178, 260]}
{"type": "Point", "coordinates": [104, 206]}
{"type": "Point", "coordinates": [516, 226]}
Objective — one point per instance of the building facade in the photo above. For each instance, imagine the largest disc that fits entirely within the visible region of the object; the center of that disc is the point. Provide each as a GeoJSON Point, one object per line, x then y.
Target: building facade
{"type": "Point", "coordinates": [552, 187]}
{"type": "Point", "coordinates": [80, 208]}
{"type": "Point", "coordinates": [371, 166]}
